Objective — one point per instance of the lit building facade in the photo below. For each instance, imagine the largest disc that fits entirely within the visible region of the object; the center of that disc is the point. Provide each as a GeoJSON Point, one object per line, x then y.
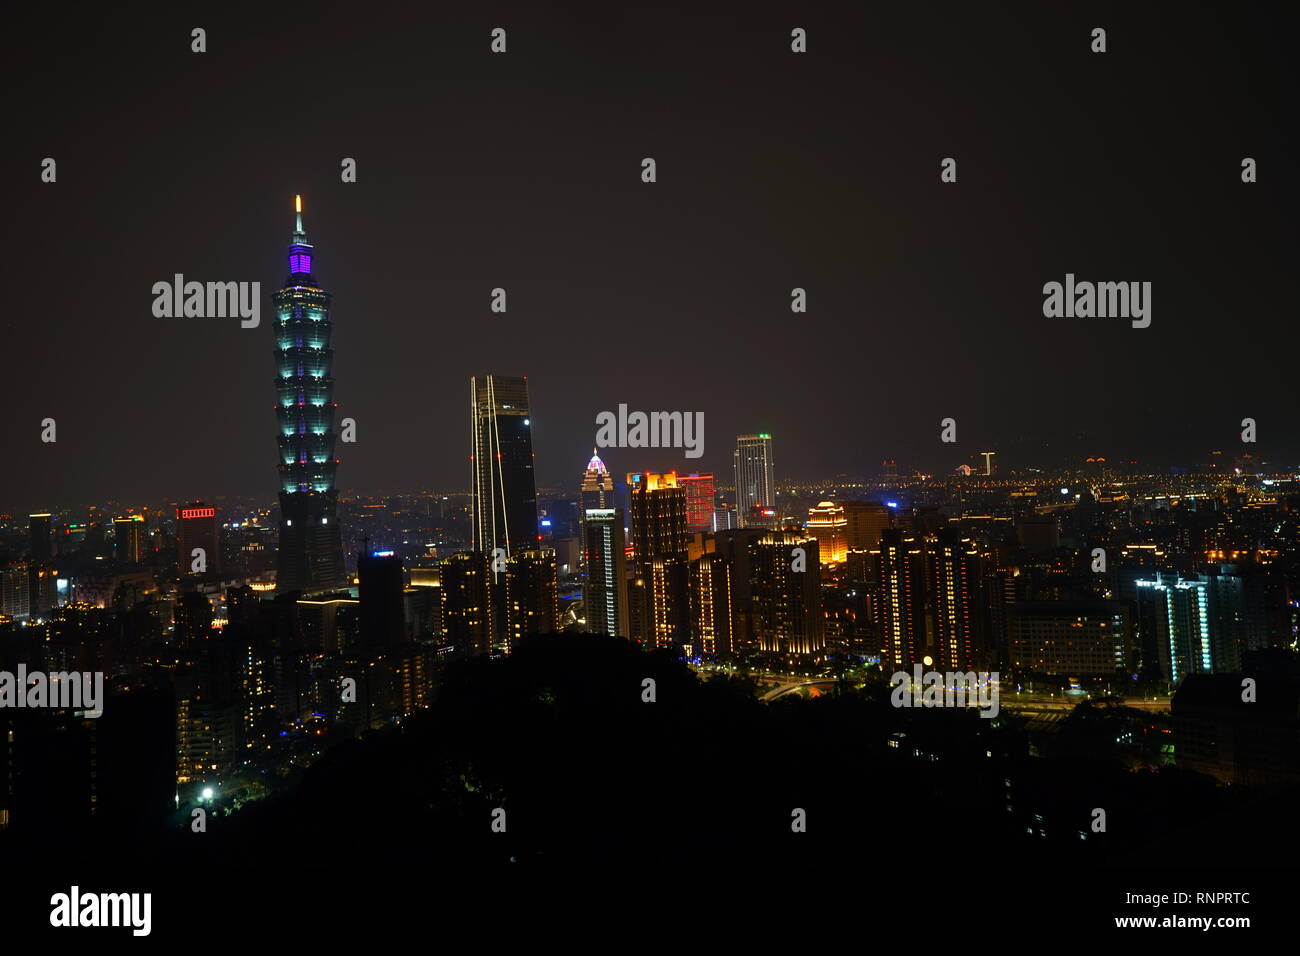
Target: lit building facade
{"type": "Point", "coordinates": [605, 591]}
{"type": "Point", "coordinates": [787, 604]}
{"type": "Point", "coordinates": [700, 501]}
{"type": "Point", "coordinates": [595, 493]}
{"type": "Point", "coordinates": [900, 570]}
{"type": "Point", "coordinates": [712, 599]}
{"type": "Point", "coordinates": [660, 554]}
{"type": "Point", "coordinates": [954, 586]}
{"type": "Point", "coordinates": [310, 557]}
{"type": "Point", "coordinates": [1182, 621]}
{"type": "Point", "coordinates": [755, 484]}
{"type": "Point", "coordinates": [828, 524]}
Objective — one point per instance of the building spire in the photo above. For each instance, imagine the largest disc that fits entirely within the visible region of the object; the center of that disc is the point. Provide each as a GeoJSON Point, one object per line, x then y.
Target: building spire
{"type": "Point", "coordinates": [300, 251]}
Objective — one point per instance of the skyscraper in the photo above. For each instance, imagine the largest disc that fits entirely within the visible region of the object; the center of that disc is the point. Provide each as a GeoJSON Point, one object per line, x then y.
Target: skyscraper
{"type": "Point", "coordinates": [712, 603]}
{"type": "Point", "coordinates": [955, 578]}
{"type": "Point", "coordinates": [466, 580]}
{"type": "Point", "coordinates": [900, 569]}
{"type": "Point", "coordinates": [867, 520]}
{"type": "Point", "coordinates": [40, 590]}
{"type": "Point", "coordinates": [380, 578]}
{"type": "Point", "coordinates": [828, 524]}
{"type": "Point", "coordinates": [700, 501]}
{"type": "Point", "coordinates": [605, 593]}
{"type": "Point", "coordinates": [1185, 641]}
{"type": "Point", "coordinates": [310, 558]}
{"type": "Point", "coordinates": [787, 603]}
{"type": "Point", "coordinates": [532, 594]}
{"type": "Point", "coordinates": [504, 493]}
{"type": "Point", "coordinates": [128, 539]}
{"type": "Point", "coordinates": [40, 530]}
{"type": "Point", "coordinates": [659, 547]}
{"type": "Point", "coordinates": [15, 587]}
{"type": "Point", "coordinates": [196, 531]}
{"type": "Point", "coordinates": [755, 486]}
{"type": "Point", "coordinates": [595, 493]}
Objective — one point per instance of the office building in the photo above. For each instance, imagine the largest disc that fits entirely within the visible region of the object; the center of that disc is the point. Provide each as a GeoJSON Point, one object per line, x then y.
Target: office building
{"type": "Point", "coordinates": [129, 539]}
{"type": "Point", "coordinates": [381, 583]}
{"type": "Point", "coordinates": [197, 541]}
{"type": "Point", "coordinates": [504, 506]}
{"type": "Point", "coordinates": [605, 592]}
{"type": "Point", "coordinates": [828, 524]}
{"type": "Point", "coordinates": [755, 484]}
{"type": "Point", "coordinates": [596, 492]}
{"type": "Point", "coordinates": [659, 554]}
{"type": "Point", "coordinates": [310, 557]}
{"type": "Point", "coordinates": [865, 521]}
{"type": "Point", "coordinates": [700, 501]}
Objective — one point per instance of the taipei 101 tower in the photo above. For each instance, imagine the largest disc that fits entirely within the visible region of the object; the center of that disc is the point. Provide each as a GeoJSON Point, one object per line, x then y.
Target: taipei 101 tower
{"type": "Point", "coordinates": [311, 544]}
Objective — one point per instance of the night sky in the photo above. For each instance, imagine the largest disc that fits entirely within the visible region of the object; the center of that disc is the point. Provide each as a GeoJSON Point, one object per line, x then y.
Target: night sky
{"type": "Point", "coordinates": [522, 170]}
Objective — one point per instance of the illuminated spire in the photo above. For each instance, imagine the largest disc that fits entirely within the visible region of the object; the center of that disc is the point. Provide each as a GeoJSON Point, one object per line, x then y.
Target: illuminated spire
{"type": "Point", "coordinates": [596, 466]}
{"type": "Point", "coordinates": [300, 250]}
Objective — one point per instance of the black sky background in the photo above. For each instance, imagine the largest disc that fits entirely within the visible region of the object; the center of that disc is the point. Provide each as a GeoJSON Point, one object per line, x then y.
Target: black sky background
{"type": "Point", "coordinates": [523, 171]}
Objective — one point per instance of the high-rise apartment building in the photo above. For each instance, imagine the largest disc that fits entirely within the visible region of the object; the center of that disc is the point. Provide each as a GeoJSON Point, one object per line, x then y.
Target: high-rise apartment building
{"type": "Point", "coordinates": [954, 590]}
{"type": "Point", "coordinates": [532, 594]}
{"type": "Point", "coordinates": [466, 579]}
{"type": "Point", "coordinates": [786, 597]}
{"type": "Point", "coordinates": [712, 622]}
{"type": "Point", "coordinates": [900, 571]}
{"type": "Point", "coordinates": [1179, 609]}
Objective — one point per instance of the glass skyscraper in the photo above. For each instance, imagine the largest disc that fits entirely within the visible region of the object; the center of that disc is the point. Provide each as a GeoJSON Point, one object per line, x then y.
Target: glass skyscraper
{"type": "Point", "coordinates": [505, 493]}
{"type": "Point", "coordinates": [311, 545]}
{"type": "Point", "coordinates": [504, 501]}
{"type": "Point", "coordinates": [755, 486]}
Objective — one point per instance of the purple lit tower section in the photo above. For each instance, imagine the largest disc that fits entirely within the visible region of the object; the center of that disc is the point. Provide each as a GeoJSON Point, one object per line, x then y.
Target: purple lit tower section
{"type": "Point", "coordinates": [310, 557]}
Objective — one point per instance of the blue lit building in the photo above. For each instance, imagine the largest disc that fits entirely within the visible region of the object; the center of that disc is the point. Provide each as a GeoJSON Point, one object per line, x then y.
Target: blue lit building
{"type": "Point", "coordinates": [1179, 610]}
{"type": "Point", "coordinates": [310, 557]}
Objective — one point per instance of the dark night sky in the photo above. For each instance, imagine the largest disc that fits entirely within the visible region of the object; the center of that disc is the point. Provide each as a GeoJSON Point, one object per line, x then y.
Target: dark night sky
{"type": "Point", "coordinates": [523, 171]}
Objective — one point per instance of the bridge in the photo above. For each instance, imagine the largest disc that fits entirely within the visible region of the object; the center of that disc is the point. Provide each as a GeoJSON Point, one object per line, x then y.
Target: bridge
{"type": "Point", "coordinates": [789, 688]}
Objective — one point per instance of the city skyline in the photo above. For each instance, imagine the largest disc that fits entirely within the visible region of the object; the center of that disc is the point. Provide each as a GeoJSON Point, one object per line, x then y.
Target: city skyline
{"type": "Point", "coordinates": [885, 250]}
{"type": "Point", "coordinates": [878, 442]}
